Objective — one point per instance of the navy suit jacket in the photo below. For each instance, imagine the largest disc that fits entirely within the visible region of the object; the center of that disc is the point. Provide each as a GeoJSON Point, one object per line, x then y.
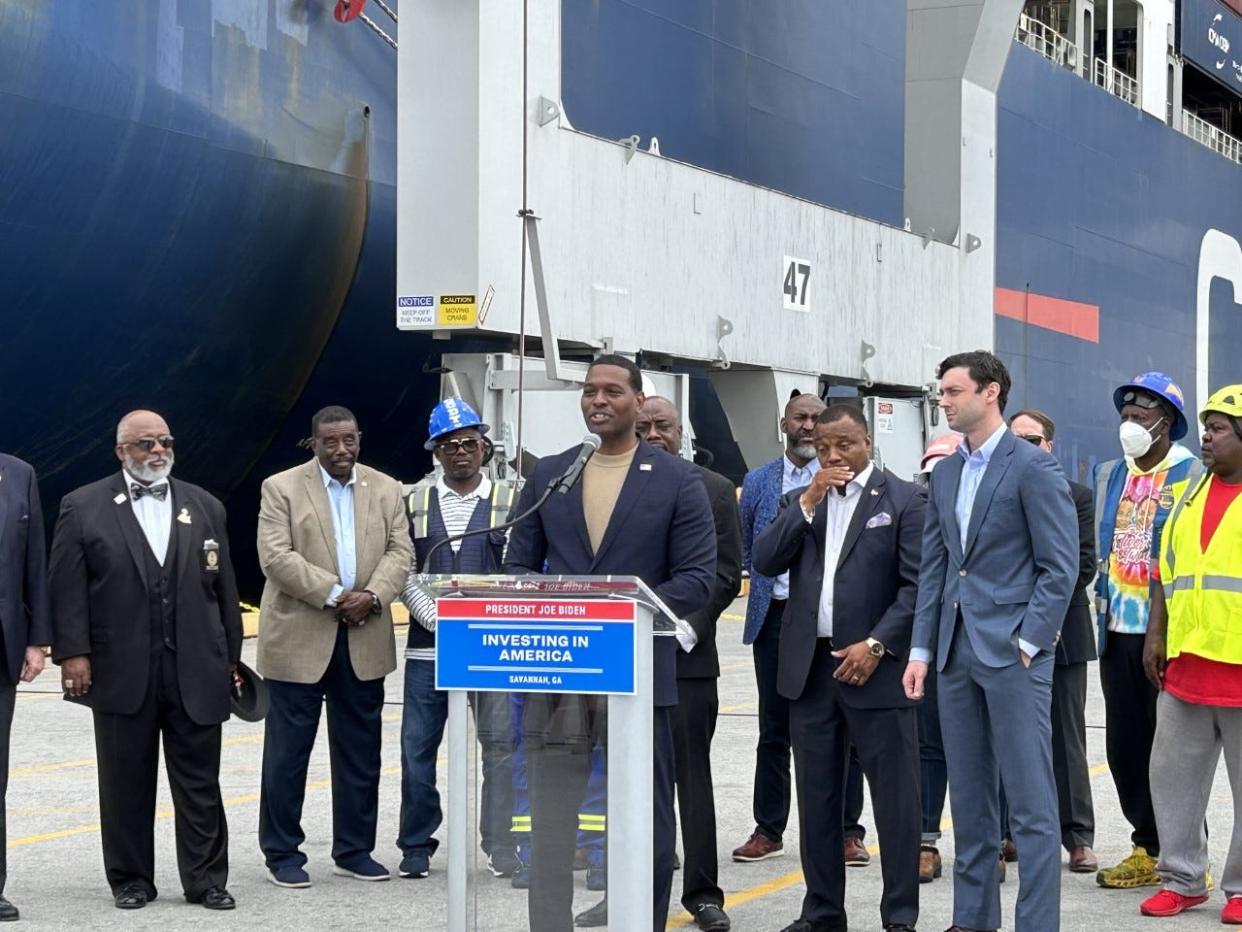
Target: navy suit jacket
{"type": "Point", "coordinates": [877, 576]}
{"type": "Point", "coordinates": [1017, 572]}
{"type": "Point", "coordinates": [25, 611]}
{"type": "Point", "coordinates": [661, 531]}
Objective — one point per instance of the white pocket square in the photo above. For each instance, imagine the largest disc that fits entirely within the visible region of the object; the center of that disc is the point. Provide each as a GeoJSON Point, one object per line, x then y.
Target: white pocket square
{"type": "Point", "coordinates": [883, 519]}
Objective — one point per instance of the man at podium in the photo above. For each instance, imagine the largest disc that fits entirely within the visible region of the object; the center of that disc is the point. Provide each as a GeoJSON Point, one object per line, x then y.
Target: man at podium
{"type": "Point", "coordinates": [636, 512]}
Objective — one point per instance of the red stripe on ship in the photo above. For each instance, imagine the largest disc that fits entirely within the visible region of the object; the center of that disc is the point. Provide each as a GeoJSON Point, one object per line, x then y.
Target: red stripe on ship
{"type": "Point", "coordinates": [1073, 318]}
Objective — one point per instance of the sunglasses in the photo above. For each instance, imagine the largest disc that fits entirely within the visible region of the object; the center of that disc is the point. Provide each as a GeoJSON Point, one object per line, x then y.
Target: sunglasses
{"type": "Point", "coordinates": [147, 444]}
{"type": "Point", "coordinates": [1141, 399]}
{"type": "Point", "coordinates": [450, 447]}
{"type": "Point", "coordinates": [1034, 439]}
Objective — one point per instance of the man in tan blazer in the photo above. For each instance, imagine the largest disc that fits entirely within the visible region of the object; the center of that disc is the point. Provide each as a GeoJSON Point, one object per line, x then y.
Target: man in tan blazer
{"type": "Point", "coordinates": [335, 548]}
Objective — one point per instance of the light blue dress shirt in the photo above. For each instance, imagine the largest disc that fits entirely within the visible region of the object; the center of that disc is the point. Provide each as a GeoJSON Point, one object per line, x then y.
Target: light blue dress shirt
{"type": "Point", "coordinates": [967, 488]}
{"type": "Point", "coordinates": [341, 501]}
{"type": "Point", "coordinates": [792, 477]}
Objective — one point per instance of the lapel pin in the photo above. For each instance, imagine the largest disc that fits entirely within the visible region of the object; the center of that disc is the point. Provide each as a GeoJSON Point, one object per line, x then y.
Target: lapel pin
{"type": "Point", "coordinates": [875, 491]}
{"type": "Point", "coordinates": [120, 498]}
{"type": "Point", "coordinates": [644, 467]}
{"type": "Point", "coordinates": [184, 516]}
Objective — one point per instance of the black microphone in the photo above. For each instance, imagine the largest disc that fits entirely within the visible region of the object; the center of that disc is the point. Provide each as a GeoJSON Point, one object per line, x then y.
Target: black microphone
{"type": "Point", "coordinates": [568, 479]}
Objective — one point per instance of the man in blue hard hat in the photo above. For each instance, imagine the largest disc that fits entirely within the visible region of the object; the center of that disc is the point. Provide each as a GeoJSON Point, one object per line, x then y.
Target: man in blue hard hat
{"type": "Point", "coordinates": [461, 499]}
{"type": "Point", "coordinates": [1134, 496]}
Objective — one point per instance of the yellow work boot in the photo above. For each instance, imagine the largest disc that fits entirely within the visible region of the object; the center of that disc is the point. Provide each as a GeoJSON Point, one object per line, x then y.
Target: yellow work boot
{"type": "Point", "coordinates": [1138, 870]}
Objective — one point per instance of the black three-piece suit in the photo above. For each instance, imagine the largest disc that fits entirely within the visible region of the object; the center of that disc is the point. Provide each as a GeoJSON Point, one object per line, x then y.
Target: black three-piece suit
{"type": "Point", "coordinates": [698, 704]}
{"type": "Point", "coordinates": [160, 640]}
{"type": "Point", "coordinates": [874, 593]}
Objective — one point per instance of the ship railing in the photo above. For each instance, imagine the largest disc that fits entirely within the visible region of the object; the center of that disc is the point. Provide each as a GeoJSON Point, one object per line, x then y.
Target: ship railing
{"type": "Point", "coordinates": [1211, 136]}
{"type": "Point", "coordinates": [1116, 82]}
{"type": "Point", "coordinates": [1045, 40]}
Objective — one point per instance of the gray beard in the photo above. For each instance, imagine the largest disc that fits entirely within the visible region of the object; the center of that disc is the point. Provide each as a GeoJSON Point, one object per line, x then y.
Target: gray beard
{"type": "Point", "coordinates": [145, 473]}
{"type": "Point", "coordinates": [806, 451]}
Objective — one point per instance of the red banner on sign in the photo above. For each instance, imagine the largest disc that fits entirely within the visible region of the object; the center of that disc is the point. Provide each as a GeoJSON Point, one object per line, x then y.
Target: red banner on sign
{"type": "Point", "coordinates": [537, 609]}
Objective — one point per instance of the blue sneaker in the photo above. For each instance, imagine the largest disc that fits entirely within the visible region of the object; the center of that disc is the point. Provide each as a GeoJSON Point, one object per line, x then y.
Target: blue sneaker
{"type": "Point", "coordinates": [415, 865]}
{"type": "Point", "coordinates": [596, 879]}
{"type": "Point", "coordinates": [363, 868]}
{"type": "Point", "coordinates": [521, 878]}
{"type": "Point", "coordinates": [503, 862]}
{"type": "Point", "coordinates": [293, 877]}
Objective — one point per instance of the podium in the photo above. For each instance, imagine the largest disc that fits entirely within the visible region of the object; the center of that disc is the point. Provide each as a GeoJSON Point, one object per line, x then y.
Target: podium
{"type": "Point", "coordinates": [573, 635]}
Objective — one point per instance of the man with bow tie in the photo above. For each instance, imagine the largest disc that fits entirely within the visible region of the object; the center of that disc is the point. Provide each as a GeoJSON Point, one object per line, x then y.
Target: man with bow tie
{"type": "Point", "coordinates": [850, 541]}
{"type": "Point", "coordinates": [146, 628]}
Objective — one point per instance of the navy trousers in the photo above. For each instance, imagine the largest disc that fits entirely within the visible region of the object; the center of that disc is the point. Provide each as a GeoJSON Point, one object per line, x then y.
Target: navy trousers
{"type": "Point", "coordinates": [354, 733]}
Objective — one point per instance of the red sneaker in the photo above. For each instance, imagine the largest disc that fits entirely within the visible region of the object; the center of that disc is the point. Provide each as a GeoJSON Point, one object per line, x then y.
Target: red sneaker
{"type": "Point", "coordinates": [1169, 903]}
{"type": "Point", "coordinates": [1231, 915]}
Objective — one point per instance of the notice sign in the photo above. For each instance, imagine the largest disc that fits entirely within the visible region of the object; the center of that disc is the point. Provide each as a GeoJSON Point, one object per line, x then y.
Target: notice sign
{"type": "Point", "coordinates": [415, 311]}
{"type": "Point", "coordinates": [457, 310]}
{"type": "Point", "coordinates": [536, 645]}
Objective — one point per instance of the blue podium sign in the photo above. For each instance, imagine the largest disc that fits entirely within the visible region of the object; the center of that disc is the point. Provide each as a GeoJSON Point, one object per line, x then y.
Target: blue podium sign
{"type": "Point", "coordinates": [536, 645]}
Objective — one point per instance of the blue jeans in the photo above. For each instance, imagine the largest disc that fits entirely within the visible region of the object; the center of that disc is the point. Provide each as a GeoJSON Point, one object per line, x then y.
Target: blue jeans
{"type": "Point", "coordinates": [423, 715]}
{"type": "Point", "coordinates": [931, 758]}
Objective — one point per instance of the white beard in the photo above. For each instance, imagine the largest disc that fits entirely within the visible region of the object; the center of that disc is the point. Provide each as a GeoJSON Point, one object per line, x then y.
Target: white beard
{"type": "Point", "coordinates": [148, 474]}
{"type": "Point", "coordinates": [806, 451]}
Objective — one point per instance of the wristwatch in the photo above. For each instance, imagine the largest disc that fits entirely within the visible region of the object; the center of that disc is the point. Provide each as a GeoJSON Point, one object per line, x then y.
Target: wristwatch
{"type": "Point", "coordinates": [376, 607]}
{"type": "Point", "coordinates": [876, 648]}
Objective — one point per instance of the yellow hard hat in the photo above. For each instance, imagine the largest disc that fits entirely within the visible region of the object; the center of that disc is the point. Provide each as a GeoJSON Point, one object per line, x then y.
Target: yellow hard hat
{"type": "Point", "coordinates": [1227, 400]}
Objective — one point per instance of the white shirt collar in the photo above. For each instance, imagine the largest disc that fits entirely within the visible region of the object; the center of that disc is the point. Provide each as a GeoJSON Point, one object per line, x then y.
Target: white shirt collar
{"type": "Point", "coordinates": [328, 479]}
{"type": "Point", "coordinates": [482, 490]}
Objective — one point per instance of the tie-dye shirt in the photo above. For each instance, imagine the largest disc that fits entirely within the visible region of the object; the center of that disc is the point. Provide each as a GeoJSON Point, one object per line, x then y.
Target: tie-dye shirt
{"type": "Point", "coordinates": [1129, 560]}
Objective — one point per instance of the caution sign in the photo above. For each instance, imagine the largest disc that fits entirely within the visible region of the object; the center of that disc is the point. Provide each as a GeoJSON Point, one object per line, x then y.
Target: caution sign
{"type": "Point", "coordinates": [457, 310]}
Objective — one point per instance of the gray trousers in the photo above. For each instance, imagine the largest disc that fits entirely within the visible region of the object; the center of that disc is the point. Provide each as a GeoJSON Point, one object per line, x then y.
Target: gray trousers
{"type": "Point", "coordinates": [1184, 757]}
{"type": "Point", "coordinates": [997, 723]}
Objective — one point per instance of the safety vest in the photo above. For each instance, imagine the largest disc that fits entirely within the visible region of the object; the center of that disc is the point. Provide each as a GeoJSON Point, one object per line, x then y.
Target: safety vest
{"type": "Point", "coordinates": [418, 503]}
{"type": "Point", "coordinates": [1203, 590]}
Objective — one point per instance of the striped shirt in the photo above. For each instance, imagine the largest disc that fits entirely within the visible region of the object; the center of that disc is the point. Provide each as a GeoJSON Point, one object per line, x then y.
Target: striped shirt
{"type": "Point", "coordinates": [455, 511]}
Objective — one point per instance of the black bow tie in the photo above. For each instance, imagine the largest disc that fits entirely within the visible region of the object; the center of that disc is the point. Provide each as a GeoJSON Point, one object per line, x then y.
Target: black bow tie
{"type": "Point", "coordinates": [159, 492]}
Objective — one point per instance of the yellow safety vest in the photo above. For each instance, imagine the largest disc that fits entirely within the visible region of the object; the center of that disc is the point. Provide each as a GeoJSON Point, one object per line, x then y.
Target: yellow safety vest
{"type": "Point", "coordinates": [1203, 590]}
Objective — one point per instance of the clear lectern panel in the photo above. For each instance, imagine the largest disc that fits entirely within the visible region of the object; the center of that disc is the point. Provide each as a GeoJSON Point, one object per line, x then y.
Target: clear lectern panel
{"type": "Point", "coordinates": [549, 680]}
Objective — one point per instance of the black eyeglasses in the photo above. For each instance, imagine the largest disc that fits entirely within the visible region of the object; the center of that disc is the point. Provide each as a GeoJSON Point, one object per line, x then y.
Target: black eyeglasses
{"type": "Point", "coordinates": [147, 444]}
{"type": "Point", "coordinates": [1141, 399]}
{"type": "Point", "coordinates": [1032, 438]}
{"type": "Point", "coordinates": [450, 447]}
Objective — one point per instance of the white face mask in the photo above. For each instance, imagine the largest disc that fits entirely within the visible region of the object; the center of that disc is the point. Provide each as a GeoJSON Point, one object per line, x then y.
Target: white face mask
{"type": "Point", "coordinates": [1136, 439]}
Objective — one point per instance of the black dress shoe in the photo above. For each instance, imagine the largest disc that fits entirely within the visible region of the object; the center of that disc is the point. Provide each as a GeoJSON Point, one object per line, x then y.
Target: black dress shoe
{"type": "Point", "coordinates": [711, 918]}
{"type": "Point", "coordinates": [594, 917]}
{"type": "Point", "coordinates": [964, 929]}
{"type": "Point", "coordinates": [8, 912]}
{"type": "Point", "coordinates": [214, 898]}
{"type": "Point", "coordinates": [900, 927]}
{"type": "Point", "coordinates": [131, 896]}
{"type": "Point", "coordinates": [806, 925]}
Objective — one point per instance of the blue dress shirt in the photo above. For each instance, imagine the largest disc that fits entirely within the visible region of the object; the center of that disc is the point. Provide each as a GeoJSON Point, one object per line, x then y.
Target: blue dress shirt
{"type": "Point", "coordinates": [792, 477]}
{"type": "Point", "coordinates": [967, 488]}
{"type": "Point", "coordinates": [341, 501]}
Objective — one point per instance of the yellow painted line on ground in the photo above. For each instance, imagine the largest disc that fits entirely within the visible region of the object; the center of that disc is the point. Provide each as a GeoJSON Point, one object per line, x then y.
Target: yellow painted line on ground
{"type": "Point", "coordinates": [730, 616]}
{"type": "Point", "coordinates": [162, 814]}
{"type": "Point", "coordinates": [725, 709]}
{"type": "Point", "coordinates": [795, 877]}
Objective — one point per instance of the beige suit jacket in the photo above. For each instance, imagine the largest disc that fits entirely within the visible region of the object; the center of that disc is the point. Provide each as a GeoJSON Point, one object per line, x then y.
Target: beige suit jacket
{"type": "Point", "coordinates": [297, 552]}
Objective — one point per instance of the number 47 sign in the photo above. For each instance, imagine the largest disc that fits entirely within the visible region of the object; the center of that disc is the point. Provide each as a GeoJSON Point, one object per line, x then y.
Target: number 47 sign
{"type": "Point", "coordinates": [797, 273]}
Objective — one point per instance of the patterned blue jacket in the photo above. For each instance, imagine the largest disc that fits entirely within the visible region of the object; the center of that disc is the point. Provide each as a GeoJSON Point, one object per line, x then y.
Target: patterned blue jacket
{"type": "Point", "coordinates": [760, 500]}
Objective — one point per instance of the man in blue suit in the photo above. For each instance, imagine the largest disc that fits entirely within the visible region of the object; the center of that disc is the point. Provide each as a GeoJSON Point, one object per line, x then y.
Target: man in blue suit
{"type": "Point", "coordinates": [636, 512]}
{"type": "Point", "coordinates": [760, 500]}
{"type": "Point", "coordinates": [1000, 559]}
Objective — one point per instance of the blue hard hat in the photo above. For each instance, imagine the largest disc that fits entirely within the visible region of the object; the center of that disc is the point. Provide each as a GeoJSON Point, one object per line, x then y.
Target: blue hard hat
{"type": "Point", "coordinates": [449, 415]}
{"type": "Point", "coordinates": [1162, 386]}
